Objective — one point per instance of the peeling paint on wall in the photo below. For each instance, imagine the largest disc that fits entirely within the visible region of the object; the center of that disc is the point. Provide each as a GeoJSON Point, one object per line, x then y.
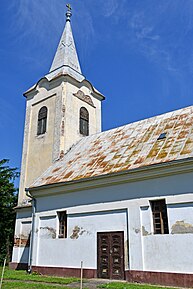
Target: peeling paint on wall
{"type": "Point", "coordinates": [77, 232]}
{"type": "Point", "coordinates": [22, 241]}
{"type": "Point", "coordinates": [62, 128]}
{"type": "Point", "coordinates": [49, 231]}
{"type": "Point", "coordinates": [180, 227]}
{"type": "Point", "coordinates": [137, 231]}
{"type": "Point", "coordinates": [82, 232]}
{"type": "Point", "coordinates": [144, 231]}
{"type": "Point", "coordinates": [57, 122]}
{"type": "Point", "coordinates": [61, 154]}
{"type": "Point", "coordinates": [126, 254]}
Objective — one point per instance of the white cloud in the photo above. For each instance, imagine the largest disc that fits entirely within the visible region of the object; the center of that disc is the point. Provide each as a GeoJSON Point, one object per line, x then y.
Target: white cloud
{"type": "Point", "coordinates": [159, 30]}
{"type": "Point", "coordinates": [156, 29]}
{"type": "Point", "coordinates": [110, 7]}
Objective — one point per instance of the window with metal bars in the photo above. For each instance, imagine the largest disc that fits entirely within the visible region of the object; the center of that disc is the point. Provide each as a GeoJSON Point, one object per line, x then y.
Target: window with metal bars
{"type": "Point", "coordinates": [160, 218]}
{"type": "Point", "coordinates": [62, 216]}
{"type": "Point", "coordinates": [84, 121]}
{"type": "Point", "coordinates": [42, 120]}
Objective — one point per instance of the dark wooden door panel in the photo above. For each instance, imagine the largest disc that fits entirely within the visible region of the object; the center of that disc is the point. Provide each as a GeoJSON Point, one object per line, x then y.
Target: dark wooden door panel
{"type": "Point", "coordinates": [103, 256]}
{"type": "Point", "coordinates": [116, 253]}
{"type": "Point", "coordinates": [110, 255]}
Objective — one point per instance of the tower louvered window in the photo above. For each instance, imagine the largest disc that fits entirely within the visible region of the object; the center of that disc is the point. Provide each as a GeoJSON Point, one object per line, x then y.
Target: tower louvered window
{"type": "Point", "coordinates": [160, 219]}
{"type": "Point", "coordinates": [42, 120]}
{"type": "Point", "coordinates": [84, 121]}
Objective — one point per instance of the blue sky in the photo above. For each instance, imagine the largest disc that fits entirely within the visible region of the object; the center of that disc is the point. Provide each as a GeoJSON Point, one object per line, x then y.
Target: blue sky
{"type": "Point", "coordinates": [138, 53]}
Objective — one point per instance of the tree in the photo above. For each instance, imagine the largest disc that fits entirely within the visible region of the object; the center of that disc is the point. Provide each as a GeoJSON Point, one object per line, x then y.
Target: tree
{"type": "Point", "coordinates": [8, 200]}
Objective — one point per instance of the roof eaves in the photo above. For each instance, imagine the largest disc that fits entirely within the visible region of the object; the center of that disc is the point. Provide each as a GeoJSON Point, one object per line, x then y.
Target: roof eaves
{"type": "Point", "coordinates": [173, 167]}
{"type": "Point", "coordinates": [19, 207]}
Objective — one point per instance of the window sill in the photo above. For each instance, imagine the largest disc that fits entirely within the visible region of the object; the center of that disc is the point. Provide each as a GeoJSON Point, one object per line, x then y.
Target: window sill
{"type": "Point", "coordinates": [62, 237]}
{"type": "Point", "coordinates": [41, 136]}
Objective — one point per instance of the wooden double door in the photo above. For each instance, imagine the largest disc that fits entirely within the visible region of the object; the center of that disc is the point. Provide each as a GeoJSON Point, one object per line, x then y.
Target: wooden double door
{"type": "Point", "coordinates": [110, 259]}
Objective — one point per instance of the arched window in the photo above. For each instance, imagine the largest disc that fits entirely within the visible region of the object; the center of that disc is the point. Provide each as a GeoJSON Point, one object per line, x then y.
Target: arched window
{"type": "Point", "coordinates": [84, 121]}
{"type": "Point", "coordinates": [42, 120]}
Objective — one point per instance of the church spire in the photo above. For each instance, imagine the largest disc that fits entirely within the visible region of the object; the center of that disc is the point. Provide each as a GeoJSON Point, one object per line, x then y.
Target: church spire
{"type": "Point", "coordinates": [66, 54]}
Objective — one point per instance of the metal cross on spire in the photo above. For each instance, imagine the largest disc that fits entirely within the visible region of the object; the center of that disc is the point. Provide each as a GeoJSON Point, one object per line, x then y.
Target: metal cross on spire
{"type": "Point", "coordinates": [69, 7]}
{"type": "Point", "coordinates": [68, 13]}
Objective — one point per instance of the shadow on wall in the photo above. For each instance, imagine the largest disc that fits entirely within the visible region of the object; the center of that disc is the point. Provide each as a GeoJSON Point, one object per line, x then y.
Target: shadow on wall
{"type": "Point", "coordinates": [165, 186]}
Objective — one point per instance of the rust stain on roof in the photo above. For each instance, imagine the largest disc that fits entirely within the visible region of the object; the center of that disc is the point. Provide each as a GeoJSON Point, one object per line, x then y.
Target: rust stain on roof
{"type": "Point", "coordinates": [131, 146]}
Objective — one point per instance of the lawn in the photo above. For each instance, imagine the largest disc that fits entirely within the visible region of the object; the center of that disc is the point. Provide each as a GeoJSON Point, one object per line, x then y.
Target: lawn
{"type": "Point", "coordinates": [122, 285]}
{"type": "Point", "coordinates": [23, 275]}
{"type": "Point", "coordinates": [25, 285]}
{"type": "Point", "coordinates": [22, 280]}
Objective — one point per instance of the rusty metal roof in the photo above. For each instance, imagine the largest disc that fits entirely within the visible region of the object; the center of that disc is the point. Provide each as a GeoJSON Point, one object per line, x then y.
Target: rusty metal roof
{"type": "Point", "coordinates": [128, 147]}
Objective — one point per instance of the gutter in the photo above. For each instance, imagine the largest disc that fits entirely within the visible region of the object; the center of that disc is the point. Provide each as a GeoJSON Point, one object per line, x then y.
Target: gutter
{"type": "Point", "coordinates": [30, 257]}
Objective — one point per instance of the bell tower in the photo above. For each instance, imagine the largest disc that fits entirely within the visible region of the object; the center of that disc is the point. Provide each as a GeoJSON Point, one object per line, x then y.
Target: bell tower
{"type": "Point", "coordinates": [61, 108]}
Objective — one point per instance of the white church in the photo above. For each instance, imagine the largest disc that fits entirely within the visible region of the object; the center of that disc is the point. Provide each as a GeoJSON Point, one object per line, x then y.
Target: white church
{"type": "Point", "coordinates": [120, 201]}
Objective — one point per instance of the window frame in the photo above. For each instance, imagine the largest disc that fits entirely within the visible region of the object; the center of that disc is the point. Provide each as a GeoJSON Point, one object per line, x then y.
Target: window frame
{"type": "Point", "coordinates": [42, 120]}
{"type": "Point", "coordinates": [84, 121]}
{"type": "Point", "coordinates": [62, 224]}
{"type": "Point", "coordinates": [159, 217]}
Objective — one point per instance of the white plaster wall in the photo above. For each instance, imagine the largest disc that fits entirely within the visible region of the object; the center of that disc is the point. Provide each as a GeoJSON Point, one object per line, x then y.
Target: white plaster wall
{"type": "Point", "coordinates": [40, 147]}
{"type": "Point", "coordinates": [72, 106]}
{"type": "Point", "coordinates": [23, 216]}
{"type": "Point", "coordinates": [22, 230]}
{"type": "Point", "coordinates": [20, 255]}
{"type": "Point", "coordinates": [168, 253]}
{"type": "Point", "coordinates": [69, 252]}
{"type": "Point", "coordinates": [146, 251]}
{"type": "Point", "coordinates": [38, 150]}
{"type": "Point", "coordinates": [135, 246]}
{"type": "Point", "coordinates": [146, 220]}
{"type": "Point", "coordinates": [48, 227]}
{"type": "Point", "coordinates": [181, 215]}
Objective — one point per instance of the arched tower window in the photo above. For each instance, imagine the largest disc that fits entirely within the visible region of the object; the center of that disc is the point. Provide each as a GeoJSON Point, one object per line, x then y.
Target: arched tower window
{"type": "Point", "coordinates": [84, 121]}
{"type": "Point", "coordinates": [42, 120]}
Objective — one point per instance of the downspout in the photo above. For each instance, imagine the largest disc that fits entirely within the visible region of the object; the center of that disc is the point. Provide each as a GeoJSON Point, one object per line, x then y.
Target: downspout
{"type": "Point", "coordinates": [30, 258]}
{"type": "Point", "coordinates": [128, 241]}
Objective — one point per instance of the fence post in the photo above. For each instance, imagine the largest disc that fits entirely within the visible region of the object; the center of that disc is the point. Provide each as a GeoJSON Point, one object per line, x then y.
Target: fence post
{"type": "Point", "coordinates": [81, 274]}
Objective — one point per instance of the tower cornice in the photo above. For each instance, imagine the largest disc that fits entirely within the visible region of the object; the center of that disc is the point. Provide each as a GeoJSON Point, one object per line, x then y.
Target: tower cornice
{"type": "Point", "coordinates": [94, 91]}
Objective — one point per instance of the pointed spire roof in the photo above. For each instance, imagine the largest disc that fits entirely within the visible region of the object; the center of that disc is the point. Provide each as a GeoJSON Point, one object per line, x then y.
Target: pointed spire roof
{"type": "Point", "coordinates": [66, 56]}
{"type": "Point", "coordinates": [66, 61]}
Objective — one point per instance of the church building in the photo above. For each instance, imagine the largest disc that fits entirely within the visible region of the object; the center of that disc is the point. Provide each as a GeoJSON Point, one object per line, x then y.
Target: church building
{"type": "Point", "coordinates": [120, 201]}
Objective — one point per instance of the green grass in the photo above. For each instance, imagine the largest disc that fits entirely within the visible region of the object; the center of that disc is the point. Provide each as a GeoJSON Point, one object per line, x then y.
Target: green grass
{"type": "Point", "coordinates": [23, 285]}
{"type": "Point", "coordinates": [24, 276]}
{"type": "Point", "coordinates": [123, 285]}
{"type": "Point", "coordinates": [22, 280]}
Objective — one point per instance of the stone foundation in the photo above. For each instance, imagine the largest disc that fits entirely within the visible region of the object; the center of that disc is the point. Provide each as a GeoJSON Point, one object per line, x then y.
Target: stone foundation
{"type": "Point", "coordinates": [160, 278]}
